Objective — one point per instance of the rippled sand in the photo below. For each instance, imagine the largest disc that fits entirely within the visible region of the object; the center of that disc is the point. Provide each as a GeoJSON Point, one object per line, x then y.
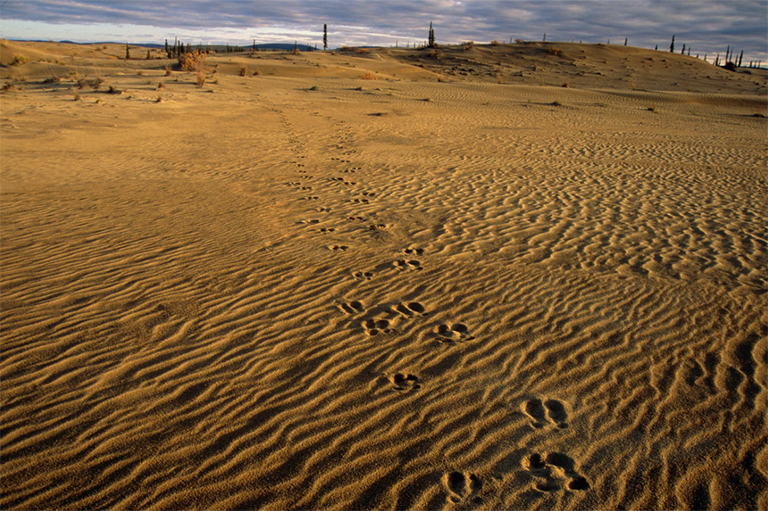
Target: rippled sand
{"type": "Point", "coordinates": [415, 295]}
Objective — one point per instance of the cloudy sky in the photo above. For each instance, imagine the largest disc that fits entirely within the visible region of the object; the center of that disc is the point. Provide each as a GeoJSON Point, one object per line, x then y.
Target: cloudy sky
{"type": "Point", "coordinates": [705, 25]}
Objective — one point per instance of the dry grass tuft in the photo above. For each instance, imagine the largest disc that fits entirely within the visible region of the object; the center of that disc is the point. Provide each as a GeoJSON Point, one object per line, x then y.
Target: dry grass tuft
{"type": "Point", "coordinates": [553, 50]}
{"type": "Point", "coordinates": [160, 86]}
{"type": "Point", "coordinates": [243, 71]}
{"type": "Point", "coordinates": [495, 43]}
{"type": "Point", "coordinates": [8, 87]}
{"type": "Point", "coordinates": [76, 95]}
{"type": "Point", "coordinates": [200, 79]}
{"type": "Point", "coordinates": [19, 60]}
{"type": "Point", "coordinates": [168, 71]}
{"type": "Point", "coordinates": [82, 83]}
{"type": "Point", "coordinates": [566, 84]}
{"type": "Point", "coordinates": [468, 45]}
{"type": "Point", "coordinates": [369, 76]}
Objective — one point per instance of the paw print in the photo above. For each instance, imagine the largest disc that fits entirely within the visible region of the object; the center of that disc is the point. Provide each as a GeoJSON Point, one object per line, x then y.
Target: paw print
{"type": "Point", "coordinates": [554, 472]}
{"type": "Point", "coordinates": [411, 309]}
{"type": "Point", "coordinates": [402, 265]}
{"type": "Point", "coordinates": [363, 275]}
{"type": "Point", "coordinates": [405, 382]}
{"type": "Point", "coordinates": [376, 326]}
{"type": "Point", "coordinates": [463, 487]}
{"type": "Point", "coordinates": [453, 333]}
{"type": "Point", "coordinates": [353, 307]}
{"type": "Point", "coordinates": [550, 411]}
{"type": "Point", "coordinates": [412, 251]}
{"type": "Point", "coordinates": [360, 201]}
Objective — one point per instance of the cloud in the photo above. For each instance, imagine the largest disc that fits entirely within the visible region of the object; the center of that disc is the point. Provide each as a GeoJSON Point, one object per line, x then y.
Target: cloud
{"type": "Point", "coordinates": [706, 25]}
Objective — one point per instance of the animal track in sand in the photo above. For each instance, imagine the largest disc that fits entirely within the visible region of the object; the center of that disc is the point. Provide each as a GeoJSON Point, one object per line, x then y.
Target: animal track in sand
{"type": "Point", "coordinates": [376, 326]}
{"type": "Point", "coordinates": [355, 307]}
{"type": "Point", "coordinates": [327, 229]}
{"type": "Point", "coordinates": [551, 410]}
{"type": "Point", "coordinates": [355, 218]}
{"type": "Point", "coordinates": [327, 210]}
{"type": "Point", "coordinates": [405, 382]}
{"type": "Point", "coordinates": [360, 201]}
{"type": "Point", "coordinates": [554, 472]}
{"type": "Point", "coordinates": [313, 221]}
{"type": "Point", "coordinates": [463, 487]}
{"type": "Point", "coordinates": [410, 251]}
{"type": "Point", "coordinates": [310, 198]}
{"type": "Point", "coordinates": [411, 309]}
{"type": "Point", "coordinates": [338, 247]}
{"type": "Point", "coordinates": [402, 264]}
{"type": "Point", "coordinates": [367, 194]}
{"type": "Point", "coordinates": [377, 227]}
{"type": "Point", "coordinates": [453, 333]}
{"type": "Point", "coordinates": [363, 275]}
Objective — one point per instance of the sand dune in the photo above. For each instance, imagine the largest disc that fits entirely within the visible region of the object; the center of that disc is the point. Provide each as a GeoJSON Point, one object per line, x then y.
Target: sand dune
{"type": "Point", "coordinates": [399, 293]}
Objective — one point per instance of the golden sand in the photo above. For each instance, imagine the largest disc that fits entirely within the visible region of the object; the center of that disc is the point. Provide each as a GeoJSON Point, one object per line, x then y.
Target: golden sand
{"type": "Point", "coordinates": [461, 285]}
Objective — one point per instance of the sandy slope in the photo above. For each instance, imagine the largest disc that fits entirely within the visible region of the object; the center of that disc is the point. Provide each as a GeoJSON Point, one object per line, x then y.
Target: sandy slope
{"type": "Point", "coordinates": [254, 294]}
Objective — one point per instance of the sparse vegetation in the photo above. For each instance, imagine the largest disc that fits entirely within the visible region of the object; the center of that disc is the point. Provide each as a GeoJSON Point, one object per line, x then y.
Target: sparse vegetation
{"type": "Point", "coordinates": [368, 76]}
{"type": "Point", "coordinates": [160, 86]}
{"type": "Point", "coordinates": [243, 71]}
{"type": "Point", "coordinates": [168, 71]}
{"type": "Point", "coordinates": [257, 73]}
{"type": "Point", "coordinates": [97, 83]}
{"type": "Point", "coordinates": [76, 95]}
{"type": "Point", "coordinates": [553, 50]}
{"type": "Point", "coordinates": [314, 87]}
{"type": "Point", "coordinates": [192, 61]}
{"type": "Point", "coordinates": [520, 41]}
{"type": "Point", "coordinates": [566, 84]}
{"type": "Point", "coordinates": [82, 83]}
{"type": "Point", "coordinates": [19, 60]}
{"type": "Point", "coordinates": [361, 51]}
{"type": "Point", "coordinates": [495, 43]}
{"type": "Point", "coordinates": [468, 45]}
{"type": "Point", "coordinates": [651, 109]}
{"type": "Point", "coordinates": [200, 79]}
{"type": "Point", "coordinates": [9, 87]}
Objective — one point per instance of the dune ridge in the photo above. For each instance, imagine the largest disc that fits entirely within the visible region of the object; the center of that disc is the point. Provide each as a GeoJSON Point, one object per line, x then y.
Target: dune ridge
{"type": "Point", "coordinates": [268, 296]}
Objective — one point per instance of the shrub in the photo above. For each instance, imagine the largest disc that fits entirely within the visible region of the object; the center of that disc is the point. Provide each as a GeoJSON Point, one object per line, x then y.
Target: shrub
{"type": "Point", "coordinates": [168, 71]}
{"type": "Point", "coordinates": [368, 76]}
{"type": "Point", "coordinates": [76, 95]}
{"type": "Point", "coordinates": [256, 73]}
{"type": "Point", "coordinates": [314, 87]}
{"type": "Point", "coordinates": [19, 60]}
{"type": "Point", "coordinates": [468, 45]}
{"type": "Point", "coordinates": [82, 83]}
{"type": "Point", "coordinates": [495, 43]}
{"type": "Point", "coordinates": [361, 51]}
{"type": "Point", "coordinates": [200, 79]}
{"type": "Point", "coordinates": [9, 87]}
{"type": "Point", "coordinates": [97, 83]}
{"type": "Point", "coordinates": [192, 61]}
{"type": "Point", "coordinates": [345, 48]}
{"type": "Point", "coordinates": [243, 71]}
{"type": "Point", "coordinates": [160, 85]}
{"type": "Point", "coordinates": [553, 50]}
{"type": "Point", "coordinates": [295, 51]}
{"type": "Point", "coordinates": [520, 41]}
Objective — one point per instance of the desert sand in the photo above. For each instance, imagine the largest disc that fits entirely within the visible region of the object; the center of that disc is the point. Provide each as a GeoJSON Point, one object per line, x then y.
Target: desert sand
{"type": "Point", "coordinates": [459, 285]}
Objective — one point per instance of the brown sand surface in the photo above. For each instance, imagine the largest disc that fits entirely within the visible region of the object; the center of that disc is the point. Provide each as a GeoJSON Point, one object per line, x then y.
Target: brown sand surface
{"type": "Point", "coordinates": [427, 291]}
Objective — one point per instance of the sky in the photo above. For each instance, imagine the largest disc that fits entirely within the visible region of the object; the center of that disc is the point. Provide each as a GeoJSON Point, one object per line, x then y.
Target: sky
{"type": "Point", "coordinates": [706, 26]}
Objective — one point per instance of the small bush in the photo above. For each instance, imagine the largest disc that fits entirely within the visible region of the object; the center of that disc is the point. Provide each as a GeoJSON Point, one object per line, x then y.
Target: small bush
{"type": "Point", "coordinates": [9, 87]}
{"type": "Point", "coordinates": [314, 87]}
{"type": "Point", "coordinates": [200, 81]}
{"type": "Point", "coordinates": [257, 73]}
{"type": "Point", "coordinates": [368, 76]}
{"type": "Point", "coordinates": [19, 60]}
{"type": "Point", "coordinates": [168, 71]}
{"type": "Point", "coordinates": [112, 90]}
{"type": "Point", "coordinates": [345, 48]}
{"type": "Point", "coordinates": [553, 50]}
{"type": "Point", "coordinates": [495, 43]}
{"type": "Point", "coordinates": [140, 73]}
{"type": "Point", "coordinates": [192, 61]}
{"type": "Point", "coordinates": [159, 99]}
{"type": "Point", "coordinates": [82, 83]}
{"type": "Point", "coordinates": [243, 71]}
{"type": "Point", "coordinates": [295, 51]}
{"type": "Point", "coordinates": [160, 86]}
{"type": "Point", "coordinates": [361, 51]}
{"type": "Point", "coordinates": [520, 41]}
{"type": "Point", "coordinates": [76, 95]}
{"type": "Point", "coordinates": [468, 45]}
{"type": "Point", "coordinates": [97, 83]}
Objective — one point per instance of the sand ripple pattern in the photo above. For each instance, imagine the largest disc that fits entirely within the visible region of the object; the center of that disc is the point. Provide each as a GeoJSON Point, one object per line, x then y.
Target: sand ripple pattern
{"type": "Point", "coordinates": [475, 311]}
